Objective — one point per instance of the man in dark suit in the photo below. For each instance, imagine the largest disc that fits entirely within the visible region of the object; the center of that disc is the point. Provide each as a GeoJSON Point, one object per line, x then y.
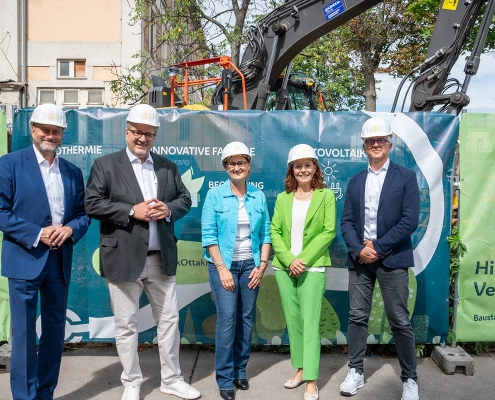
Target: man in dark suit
{"type": "Point", "coordinates": [381, 212]}
{"type": "Point", "coordinates": [42, 217]}
{"type": "Point", "coordinates": [137, 196]}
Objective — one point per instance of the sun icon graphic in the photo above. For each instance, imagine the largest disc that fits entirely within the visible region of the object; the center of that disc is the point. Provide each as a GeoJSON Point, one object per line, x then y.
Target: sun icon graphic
{"type": "Point", "coordinates": [329, 169]}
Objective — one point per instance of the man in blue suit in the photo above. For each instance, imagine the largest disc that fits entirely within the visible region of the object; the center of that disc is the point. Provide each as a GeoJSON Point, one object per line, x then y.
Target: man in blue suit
{"type": "Point", "coordinates": [381, 212]}
{"type": "Point", "coordinates": [42, 217]}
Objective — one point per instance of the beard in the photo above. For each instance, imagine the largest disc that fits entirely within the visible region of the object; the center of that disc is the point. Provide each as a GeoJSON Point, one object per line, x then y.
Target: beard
{"type": "Point", "coordinates": [47, 147]}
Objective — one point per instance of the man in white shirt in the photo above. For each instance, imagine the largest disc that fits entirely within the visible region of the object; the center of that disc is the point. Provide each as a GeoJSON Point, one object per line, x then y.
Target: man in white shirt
{"type": "Point", "coordinates": [381, 212]}
{"type": "Point", "coordinates": [42, 217]}
{"type": "Point", "coordinates": [137, 196]}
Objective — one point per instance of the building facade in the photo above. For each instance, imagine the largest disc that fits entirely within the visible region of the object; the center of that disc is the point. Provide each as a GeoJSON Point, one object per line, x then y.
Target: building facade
{"type": "Point", "coordinates": [73, 50]}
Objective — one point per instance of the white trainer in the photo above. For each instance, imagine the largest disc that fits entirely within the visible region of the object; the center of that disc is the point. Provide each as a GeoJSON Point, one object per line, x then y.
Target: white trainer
{"type": "Point", "coordinates": [353, 381]}
{"type": "Point", "coordinates": [181, 389]}
{"type": "Point", "coordinates": [131, 393]}
{"type": "Point", "coordinates": [410, 390]}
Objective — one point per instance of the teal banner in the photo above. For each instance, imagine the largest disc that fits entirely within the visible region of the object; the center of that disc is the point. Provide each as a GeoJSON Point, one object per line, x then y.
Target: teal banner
{"type": "Point", "coordinates": [424, 142]}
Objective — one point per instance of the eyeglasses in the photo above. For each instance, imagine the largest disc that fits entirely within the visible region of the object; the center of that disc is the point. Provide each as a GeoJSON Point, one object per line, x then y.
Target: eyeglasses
{"type": "Point", "coordinates": [233, 164]}
{"type": "Point", "coordinates": [138, 134]}
{"type": "Point", "coordinates": [371, 142]}
{"type": "Point", "coordinates": [47, 131]}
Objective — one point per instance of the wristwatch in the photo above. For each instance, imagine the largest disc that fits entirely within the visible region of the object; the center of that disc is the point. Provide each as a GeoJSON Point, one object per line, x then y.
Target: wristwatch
{"type": "Point", "coordinates": [131, 213]}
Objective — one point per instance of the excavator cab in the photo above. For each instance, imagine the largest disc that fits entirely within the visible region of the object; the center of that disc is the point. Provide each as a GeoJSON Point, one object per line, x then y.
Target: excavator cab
{"type": "Point", "coordinates": [302, 93]}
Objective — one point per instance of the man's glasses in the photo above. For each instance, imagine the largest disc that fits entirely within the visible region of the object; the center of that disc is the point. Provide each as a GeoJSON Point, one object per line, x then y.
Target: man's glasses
{"type": "Point", "coordinates": [371, 142]}
{"type": "Point", "coordinates": [138, 134]}
{"type": "Point", "coordinates": [232, 164]}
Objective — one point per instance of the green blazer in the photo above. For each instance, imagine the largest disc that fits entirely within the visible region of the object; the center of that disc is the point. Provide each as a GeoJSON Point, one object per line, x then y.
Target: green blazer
{"type": "Point", "coordinates": [319, 229]}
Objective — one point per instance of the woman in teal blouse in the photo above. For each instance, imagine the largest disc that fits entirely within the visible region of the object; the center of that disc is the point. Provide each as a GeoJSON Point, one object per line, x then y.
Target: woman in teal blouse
{"type": "Point", "coordinates": [302, 228]}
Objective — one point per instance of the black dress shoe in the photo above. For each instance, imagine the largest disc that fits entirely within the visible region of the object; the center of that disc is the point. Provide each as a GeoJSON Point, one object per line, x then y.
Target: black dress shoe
{"type": "Point", "coordinates": [227, 394]}
{"type": "Point", "coordinates": [241, 384]}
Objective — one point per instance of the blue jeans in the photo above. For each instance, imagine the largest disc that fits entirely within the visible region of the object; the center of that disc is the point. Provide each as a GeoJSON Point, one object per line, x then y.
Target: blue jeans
{"type": "Point", "coordinates": [234, 323]}
{"type": "Point", "coordinates": [395, 292]}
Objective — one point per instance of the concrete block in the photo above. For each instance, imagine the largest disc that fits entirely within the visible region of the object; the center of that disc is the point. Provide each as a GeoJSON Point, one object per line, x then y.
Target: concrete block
{"type": "Point", "coordinates": [452, 360]}
{"type": "Point", "coordinates": [5, 356]}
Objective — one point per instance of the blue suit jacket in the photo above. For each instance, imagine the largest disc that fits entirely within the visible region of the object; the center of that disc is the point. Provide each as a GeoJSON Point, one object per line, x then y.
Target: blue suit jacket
{"type": "Point", "coordinates": [397, 218]}
{"type": "Point", "coordinates": [24, 210]}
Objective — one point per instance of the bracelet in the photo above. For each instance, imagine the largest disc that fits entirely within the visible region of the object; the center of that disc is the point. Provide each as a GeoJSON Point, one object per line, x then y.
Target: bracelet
{"type": "Point", "coordinates": [264, 261]}
{"type": "Point", "coordinates": [219, 264]}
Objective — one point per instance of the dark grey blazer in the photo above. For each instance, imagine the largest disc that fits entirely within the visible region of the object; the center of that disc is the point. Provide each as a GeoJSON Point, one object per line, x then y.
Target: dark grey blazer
{"type": "Point", "coordinates": [111, 192]}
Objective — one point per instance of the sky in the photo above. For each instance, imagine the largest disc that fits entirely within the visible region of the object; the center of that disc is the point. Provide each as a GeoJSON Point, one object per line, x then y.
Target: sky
{"type": "Point", "coordinates": [481, 89]}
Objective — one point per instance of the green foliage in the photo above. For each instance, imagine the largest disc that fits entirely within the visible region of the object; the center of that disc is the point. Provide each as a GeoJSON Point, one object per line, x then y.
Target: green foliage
{"type": "Point", "coordinates": [457, 250]}
{"type": "Point", "coordinates": [480, 347]}
{"type": "Point", "coordinates": [420, 350]}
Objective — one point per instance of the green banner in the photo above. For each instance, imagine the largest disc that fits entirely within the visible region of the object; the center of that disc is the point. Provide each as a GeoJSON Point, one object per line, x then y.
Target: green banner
{"type": "Point", "coordinates": [4, 291]}
{"type": "Point", "coordinates": [476, 312]}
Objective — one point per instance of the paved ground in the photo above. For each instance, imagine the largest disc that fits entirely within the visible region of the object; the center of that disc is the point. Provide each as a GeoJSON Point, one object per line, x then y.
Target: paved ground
{"type": "Point", "coordinates": [93, 373]}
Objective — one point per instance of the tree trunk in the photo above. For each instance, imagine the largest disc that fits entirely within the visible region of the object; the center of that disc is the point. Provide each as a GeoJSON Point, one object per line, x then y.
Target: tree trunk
{"type": "Point", "coordinates": [370, 90]}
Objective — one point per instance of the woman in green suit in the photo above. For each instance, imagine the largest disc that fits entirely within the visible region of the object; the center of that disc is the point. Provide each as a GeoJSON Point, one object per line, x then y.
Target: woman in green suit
{"type": "Point", "coordinates": [302, 228]}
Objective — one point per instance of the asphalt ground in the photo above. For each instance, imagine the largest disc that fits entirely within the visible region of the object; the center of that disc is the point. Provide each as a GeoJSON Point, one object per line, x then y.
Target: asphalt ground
{"type": "Point", "coordinates": [92, 372]}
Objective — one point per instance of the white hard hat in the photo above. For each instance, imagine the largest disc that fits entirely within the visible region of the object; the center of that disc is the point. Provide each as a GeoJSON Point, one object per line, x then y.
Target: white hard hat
{"type": "Point", "coordinates": [235, 149]}
{"type": "Point", "coordinates": [144, 114]}
{"type": "Point", "coordinates": [375, 127]}
{"type": "Point", "coordinates": [301, 151]}
{"type": "Point", "coordinates": [49, 114]}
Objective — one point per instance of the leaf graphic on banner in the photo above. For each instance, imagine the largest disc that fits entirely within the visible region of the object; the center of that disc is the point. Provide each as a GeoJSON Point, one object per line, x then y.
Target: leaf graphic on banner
{"type": "Point", "coordinates": [193, 185]}
{"type": "Point", "coordinates": [329, 321]}
{"type": "Point", "coordinates": [187, 177]}
{"type": "Point", "coordinates": [271, 321]}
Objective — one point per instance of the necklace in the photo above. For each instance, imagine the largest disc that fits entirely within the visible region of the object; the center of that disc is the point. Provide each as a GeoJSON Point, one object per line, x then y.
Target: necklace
{"type": "Point", "coordinates": [303, 197]}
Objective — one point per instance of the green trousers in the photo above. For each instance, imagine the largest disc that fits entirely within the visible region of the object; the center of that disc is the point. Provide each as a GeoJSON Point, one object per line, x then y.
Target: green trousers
{"type": "Point", "coordinates": [301, 301]}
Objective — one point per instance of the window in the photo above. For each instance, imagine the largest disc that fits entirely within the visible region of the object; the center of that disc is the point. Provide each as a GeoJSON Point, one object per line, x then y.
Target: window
{"type": "Point", "coordinates": [95, 96]}
{"type": "Point", "coordinates": [70, 98]}
{"type": "Point", "coordinates": [71, 68]}
{"type": "Point", "coordinates": [46, 96]}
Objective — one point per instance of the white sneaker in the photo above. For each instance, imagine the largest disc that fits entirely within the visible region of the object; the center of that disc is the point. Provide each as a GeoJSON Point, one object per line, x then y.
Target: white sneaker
{"type": "Point", "coordinates": [353, 382]}
{"type": "Point", "coordinates": [131, 393]}
{"type": "Point", "coordinates": [180, 389]}
{"type": "Point", "coordinates": [410, 390]}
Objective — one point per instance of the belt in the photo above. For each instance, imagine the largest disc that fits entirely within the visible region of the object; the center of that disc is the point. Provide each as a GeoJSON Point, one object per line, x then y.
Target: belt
{"type": "Point", "coordinates": [54, 247]}
{"type": "Point", "coordinates": [152, 252]}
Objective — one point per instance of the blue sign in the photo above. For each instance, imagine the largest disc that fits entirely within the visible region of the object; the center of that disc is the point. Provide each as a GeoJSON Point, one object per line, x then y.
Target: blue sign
{"type": "Point", "coordinates": [333, 9]}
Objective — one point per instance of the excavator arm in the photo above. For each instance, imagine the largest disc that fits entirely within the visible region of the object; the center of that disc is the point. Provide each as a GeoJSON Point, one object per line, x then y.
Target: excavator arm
{"type": "Point", "coordinates": [284, 33]}
{"type": "Point", "coordinates": [287, 30]}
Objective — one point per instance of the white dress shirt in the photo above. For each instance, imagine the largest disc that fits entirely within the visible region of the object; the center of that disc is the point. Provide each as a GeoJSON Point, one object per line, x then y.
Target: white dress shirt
{"type": "Point", "coordinates": [374, 184]}
{"type": "Point", "coordinates": [148, 183]}
{"type": "Point", "coordinates": [54, 187]}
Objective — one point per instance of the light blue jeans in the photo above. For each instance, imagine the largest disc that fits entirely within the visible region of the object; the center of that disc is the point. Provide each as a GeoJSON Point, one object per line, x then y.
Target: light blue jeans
{"type": "Point", "coordinates": [234, 323]}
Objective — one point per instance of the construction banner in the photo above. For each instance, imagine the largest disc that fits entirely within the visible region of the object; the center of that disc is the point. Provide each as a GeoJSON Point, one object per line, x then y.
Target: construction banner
{"type": "Point", "coordinates": [4, 290]}
{"type": "Point", "coordinates": [476, 311]}
{"type": "Point", "coordinates": [424, 142]}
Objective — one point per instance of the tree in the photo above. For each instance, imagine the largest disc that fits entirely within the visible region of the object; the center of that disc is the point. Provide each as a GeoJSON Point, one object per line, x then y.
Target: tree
{"type": "Point", "coordinates": [387, 38]}
{"type": "Point", "coordinates": [327, 61]}
{"type": "Point", "coordinates": [186, 30]}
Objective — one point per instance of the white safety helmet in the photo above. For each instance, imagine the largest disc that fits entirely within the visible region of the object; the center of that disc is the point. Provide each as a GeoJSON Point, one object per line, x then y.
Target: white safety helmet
{"type": "Point", "coordinates": [235, 149]}
{"type": "Point", "coordinates": [144, 114]}
{"type": "Point", "coordinates": [49, 114]}
{"type": "Point", "coordinates": [375, 127]}
{"type": "Point", "coordinates": [301, 151]}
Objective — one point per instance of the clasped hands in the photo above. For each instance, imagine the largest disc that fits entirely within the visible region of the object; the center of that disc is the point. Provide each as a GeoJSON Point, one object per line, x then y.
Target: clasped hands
{"type": "Point", "coordinates": [368, 255]}
{"type": "Point", "coordinates": [55, 235]}
{"type": "Point", "coordinates": [297, 267]}
{"type": "Point", "coordinates": [151, 209]}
